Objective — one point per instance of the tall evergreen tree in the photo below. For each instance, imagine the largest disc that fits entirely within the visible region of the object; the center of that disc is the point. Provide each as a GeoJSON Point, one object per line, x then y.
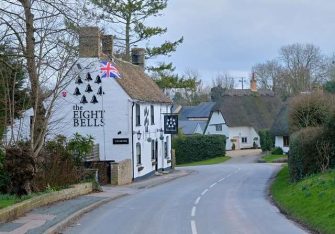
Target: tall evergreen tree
{"type": "Point", "coordinates": [131, 16]}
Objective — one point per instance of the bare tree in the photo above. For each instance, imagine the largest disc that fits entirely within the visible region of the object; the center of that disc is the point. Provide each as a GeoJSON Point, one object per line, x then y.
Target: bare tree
{"type": "Point", "coordinates": [39, 32]}
{"type": "Point", "coordinates": [324, 150]}
{"type": "Point", "coordinates": [224, 80]}
{"type": "Point", "coordinates": [267, 74]}
{"type": "Point", "coordinates": [305, 66]}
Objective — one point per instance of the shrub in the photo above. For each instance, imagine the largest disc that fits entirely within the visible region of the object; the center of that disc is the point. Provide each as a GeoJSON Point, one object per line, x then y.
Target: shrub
{"type": "Point", "coordinates": [265, 140]}
{"type": "Point", "coordinates": [310, 110]}
{"type": "Point", "coordinates": [4, 177]}
{"type": "Point", "coordinates": [304, 154]}
{"type": "Point", "coordinates": [277, 151]}
{"type": "Point", "coordinates": [199, 147]}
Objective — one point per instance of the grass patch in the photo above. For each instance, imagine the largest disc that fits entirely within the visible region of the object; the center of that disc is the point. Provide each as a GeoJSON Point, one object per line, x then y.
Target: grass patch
{"type": "Point", "coordinates": [272, 158]}
{"type": "Point", "coordinates": [311, 201]}
{"type": "Point", "coordinates": [211, 161]}
{"type": "Point", "coordinates": [8, 200]}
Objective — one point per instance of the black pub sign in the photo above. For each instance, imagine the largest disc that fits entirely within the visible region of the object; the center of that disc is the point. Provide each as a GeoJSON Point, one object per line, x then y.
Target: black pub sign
{"type": "Point", "coordinates": [170, 124]}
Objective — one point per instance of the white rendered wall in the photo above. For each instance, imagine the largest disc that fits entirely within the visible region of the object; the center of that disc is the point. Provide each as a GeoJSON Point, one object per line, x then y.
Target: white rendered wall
{"type": "Point", "coordinates": [239, 132]}
{"type": "Point", "coordinates": [279, 142]}
{"type": "Point", "coordinates": [154, 133]}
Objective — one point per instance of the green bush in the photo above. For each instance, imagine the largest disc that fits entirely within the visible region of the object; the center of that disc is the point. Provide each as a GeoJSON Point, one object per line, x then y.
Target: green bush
{"type": "Point", "coordinates": [310, 110]}
{"type": "Point", "coordinates": [4, 178]}
{"type": "Point", "coordinates": [266, 140]}
{"type": "Point", "coordinates": [199, 147]}
{"type": "Point", "coordinates": [304, 156]}
{"type": "Point", "coordinates": [277, 151]}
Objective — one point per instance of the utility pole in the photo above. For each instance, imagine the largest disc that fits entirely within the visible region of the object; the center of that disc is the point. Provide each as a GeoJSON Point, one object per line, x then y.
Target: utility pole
{"type": "Point", "coordinates": [242, 80]}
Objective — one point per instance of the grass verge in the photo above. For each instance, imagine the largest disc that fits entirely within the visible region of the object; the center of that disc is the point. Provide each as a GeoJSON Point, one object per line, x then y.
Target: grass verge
{"type": "Point", "coordinates": [8, 200]}
{"type": "Point", "coordinates": [310, 201]}
{"type": "Point", "coordinates": [273, 158]}
{"type": "Point", "coordinates": [211, 161]}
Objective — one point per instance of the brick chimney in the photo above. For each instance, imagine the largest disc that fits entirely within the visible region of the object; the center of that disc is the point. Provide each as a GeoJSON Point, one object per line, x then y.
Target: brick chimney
{"type": "Point", "coordinates": [107, 45]}
{"type": "Point", "coordinates": [138, 56]}
{"type": "Point", "coordinates": [89, 42]}
{"type": "Point", "coordinates": [253, 83]}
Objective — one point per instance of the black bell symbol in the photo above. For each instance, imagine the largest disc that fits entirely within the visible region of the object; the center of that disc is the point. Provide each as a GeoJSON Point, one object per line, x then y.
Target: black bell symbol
{"type": "Point", "coordinates": [77, 92]}
{"type": "Point", "coordinates": [94, 99]}
{"type": "Point", "coordinates": [79, 81]}
{"type": "Point", "coordinates": [83, 100]}
{"type": "Point", "coordinates": [88, 77]}
{"type": "Point", "coordinates": [97, 80]}
{"type": "Point", "coordinates": [100, 92]}
{"type": "Point", "coordinates": [88, 89]}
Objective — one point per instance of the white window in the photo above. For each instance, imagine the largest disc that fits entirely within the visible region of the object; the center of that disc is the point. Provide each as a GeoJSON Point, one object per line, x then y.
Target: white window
{"type": "Point", "coordinates": [152, 113]}
{"type": "Point", "coordinates": [244, 140]}
{"type": "Point", "coordinates": [218, 127]}
{"type": "Point", "coordinates": [138, 154]}
{"type": "Point", "coordinates": [153, 150]}
{"type": "Point", "coordinates": [138, 115]}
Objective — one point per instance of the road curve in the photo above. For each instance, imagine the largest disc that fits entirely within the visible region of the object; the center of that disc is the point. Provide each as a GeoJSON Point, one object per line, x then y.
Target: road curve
{"type": "Point", "coordinates": [223, 198]}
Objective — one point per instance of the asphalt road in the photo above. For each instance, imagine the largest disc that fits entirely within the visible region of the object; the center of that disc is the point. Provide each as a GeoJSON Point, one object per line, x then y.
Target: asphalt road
{"type": "Point", "coordinates": [224, 198]}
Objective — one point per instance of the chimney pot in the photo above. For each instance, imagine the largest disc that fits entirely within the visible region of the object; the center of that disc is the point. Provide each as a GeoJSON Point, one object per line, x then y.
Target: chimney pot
{"type": "Point", "coordinates": [138, 56]}
{"type": "Point", "coordinates": [253, 83]}
{"type": "Point", "coordinates": [107, 45]}
{"type": "Point", "coordinates": [89, 42]}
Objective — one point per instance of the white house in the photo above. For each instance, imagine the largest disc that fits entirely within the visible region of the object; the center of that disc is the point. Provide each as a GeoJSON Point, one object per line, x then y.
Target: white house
{"type": "Point", "coordinates": [124, 113]}
{"type": "Point", "coordinates": [280, 130]}
{"type": "Point", "coordinates": [240, 114]}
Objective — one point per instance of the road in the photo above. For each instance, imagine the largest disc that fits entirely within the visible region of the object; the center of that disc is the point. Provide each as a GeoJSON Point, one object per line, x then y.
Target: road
{"type": "Point", "coordinates": [223, 198]}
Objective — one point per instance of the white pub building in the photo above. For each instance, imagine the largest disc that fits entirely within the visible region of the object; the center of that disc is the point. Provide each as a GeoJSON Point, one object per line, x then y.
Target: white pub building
{"type": "Point", "coordinates": [115, 102]}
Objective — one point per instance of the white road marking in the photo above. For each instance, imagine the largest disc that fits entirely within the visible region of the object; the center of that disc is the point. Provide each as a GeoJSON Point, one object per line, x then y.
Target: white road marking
{"type": "Point", "coordinates": [194, 227]}
{"type": "Point", "coordinates": [204, 192]}
{"type": "Point", "coordinates": [213, 185]}
{"type": "Point", "coordinates": [221, 179]}
{"type": "Point", "coordinates": [197, 201]}
{"type": "Point", "coordinates": [193, 211]}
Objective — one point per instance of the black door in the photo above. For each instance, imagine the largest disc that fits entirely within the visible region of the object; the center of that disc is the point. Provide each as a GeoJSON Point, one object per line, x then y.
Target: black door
{"type": "Point", "coordinates": [156, 154]}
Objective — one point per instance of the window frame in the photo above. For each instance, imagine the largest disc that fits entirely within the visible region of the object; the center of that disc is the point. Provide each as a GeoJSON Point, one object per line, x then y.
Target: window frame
{"type": "Point", "coordinates": [138, 154]}
{"type": "Point", "coordinates": [286, 141]}
{"type": "Point", "coordinates": [138, 114]}
{"type": "Point", "coordinates": [244, 140]}
{"type": "Point", "coordinates": [218, 127]}
{"type": "Point", "coordinates": [152, 114]}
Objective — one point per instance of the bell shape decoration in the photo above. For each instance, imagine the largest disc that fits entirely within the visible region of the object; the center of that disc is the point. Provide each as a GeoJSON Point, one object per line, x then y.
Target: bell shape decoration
{"type": "Point", "coordinates": [77, 92]}
{"type": "Point", "coordinates": [97, 80]}
{"type": "Point", "coordinates": [88, 89]}
{"type": "Point", "coordinates": [89, 77]}
{"type": "Point", "coordinates": [94, 99]}
{"type": "Point", "coordinates": [83, 100]}
{"type": "Point", "coordinates": [79, 81]}
{"type": "Point", "coordinates": [100, 92]}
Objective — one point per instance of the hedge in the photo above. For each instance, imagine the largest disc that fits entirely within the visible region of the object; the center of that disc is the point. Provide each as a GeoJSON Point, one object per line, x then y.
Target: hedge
{"type": "Point", "coordinates": [199, 147]}
{"type": "Point", "coordinates": [303, 157]}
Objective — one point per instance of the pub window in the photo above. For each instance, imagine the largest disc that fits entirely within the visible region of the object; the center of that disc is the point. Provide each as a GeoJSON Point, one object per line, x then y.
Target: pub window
{"type": "Point", "coordinates": [152, 150]}
{"type": "Point", "coordinates": [286, 140]}
{"type": "Point", "coordinates": [152, 113]}
{"type": "Point", "coordinates": [138, 154]}
{"type": "Point", "coordinates": [244, 140]}
{"type": "Point", "coordinates": [166, 147]}
{"type": "Point", "coordinates": [138, 115]}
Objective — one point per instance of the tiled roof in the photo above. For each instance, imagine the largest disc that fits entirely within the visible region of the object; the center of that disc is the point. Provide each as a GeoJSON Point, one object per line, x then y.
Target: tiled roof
{"type": "Point", "coordinates": [137, 84]}
{"type": "Point", "coordinates": [202, 110]}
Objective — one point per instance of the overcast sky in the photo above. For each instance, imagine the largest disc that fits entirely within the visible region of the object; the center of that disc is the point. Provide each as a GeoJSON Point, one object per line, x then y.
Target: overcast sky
{"type": "Point", "coordinates": [233, 35]}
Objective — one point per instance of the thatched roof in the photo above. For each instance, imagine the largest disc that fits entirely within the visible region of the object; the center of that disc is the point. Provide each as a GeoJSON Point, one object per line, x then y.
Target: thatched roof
{"type": "Point", "coordinates": [137, 84]}
{"type": "Point", "coordinates": [251, 109]}
{"type": "Point", "coordinates": [280, 125]}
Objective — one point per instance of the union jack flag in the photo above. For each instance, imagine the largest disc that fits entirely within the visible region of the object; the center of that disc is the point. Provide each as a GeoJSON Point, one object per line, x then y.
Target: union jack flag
{"type": "Point", "coordinates": [108, 70]}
